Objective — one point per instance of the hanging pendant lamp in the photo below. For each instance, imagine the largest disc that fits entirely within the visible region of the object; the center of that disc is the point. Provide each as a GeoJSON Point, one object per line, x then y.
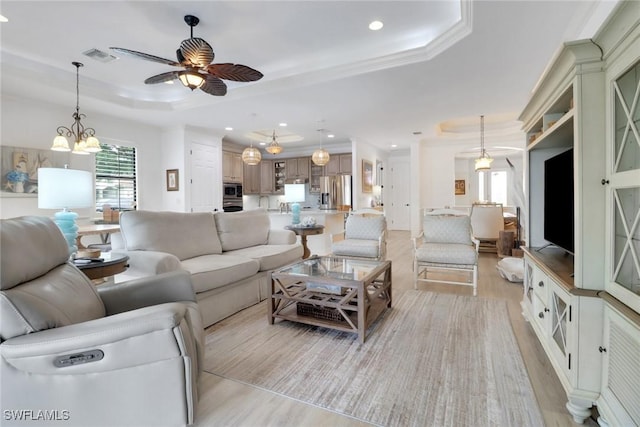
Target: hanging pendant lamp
{"type": "Point", "coordinates": [274, 147]}
{"type": "Point", "coordinates": [483, 163]}
{"type": "Point", "coordinates": [321, 156]}
{"type": "Point", "coordinates": [251, 155]}
{"type": "Point", "coordinates": [84, 139]}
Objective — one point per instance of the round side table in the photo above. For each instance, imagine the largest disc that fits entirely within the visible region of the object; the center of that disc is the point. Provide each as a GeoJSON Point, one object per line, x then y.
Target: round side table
{"type": "Point", "coordinates": [303, 232]}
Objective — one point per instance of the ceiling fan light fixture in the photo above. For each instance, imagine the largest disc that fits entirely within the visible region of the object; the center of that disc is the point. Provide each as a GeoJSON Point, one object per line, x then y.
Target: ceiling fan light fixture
{"type": "Point", "coordinates": [483, 163]}
{"type": "Point", "coordinates": [191, 79]}
{"type": "Point", "coordinates": [274, 147]}
{"type": "Point", "coordinates": [92, 145]}
{"type": "Point", "coordinates": [78, 148]}
{"type": "Point", "coordinates": [251, 156]}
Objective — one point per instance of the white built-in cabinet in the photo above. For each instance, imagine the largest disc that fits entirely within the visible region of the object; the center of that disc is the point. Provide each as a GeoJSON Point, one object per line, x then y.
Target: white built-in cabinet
{"type": "Point", "coordinates": [619, 401]}
{"type": "Point", "coordinates": [585, 307]}
{"type": "Point", "coordinates": [561, 290]}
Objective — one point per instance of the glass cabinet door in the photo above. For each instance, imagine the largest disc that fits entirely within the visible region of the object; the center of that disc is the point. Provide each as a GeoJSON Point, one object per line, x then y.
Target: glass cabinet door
{"type": "Point", "coordinates": [624, 196]}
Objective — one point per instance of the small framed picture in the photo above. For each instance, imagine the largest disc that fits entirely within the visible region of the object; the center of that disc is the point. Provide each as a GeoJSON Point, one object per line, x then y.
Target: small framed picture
{"type": "Point", "coordinates": [172, 180]}
{"type": "Point", "coordinates": [460, 190]}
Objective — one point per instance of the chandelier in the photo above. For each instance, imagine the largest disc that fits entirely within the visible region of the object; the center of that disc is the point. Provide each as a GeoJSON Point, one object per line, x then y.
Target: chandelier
{"type": "Point", "coordinates": [483, 163]}
{"type": "Point", "coordinates": [85, 141]}
{"type": "Point", "coordinates": [274, 147]}
{"type": "Point", "coordinates": [321, 156]}
{"type": "Point", "coordinates": [251, 155]}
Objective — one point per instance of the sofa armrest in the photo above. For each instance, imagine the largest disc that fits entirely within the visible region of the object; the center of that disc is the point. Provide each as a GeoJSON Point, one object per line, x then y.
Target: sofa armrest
{"type": "Point", "coordinates": [336, 237]}
{"type": "Point", "coordinates": [168, 287]}
{"type": "Point", "coordinates": [149, 263]}
{"type": "Point", "coordinates": [36, 352]}
{"type": "Point", "coordinates": [281, 237]}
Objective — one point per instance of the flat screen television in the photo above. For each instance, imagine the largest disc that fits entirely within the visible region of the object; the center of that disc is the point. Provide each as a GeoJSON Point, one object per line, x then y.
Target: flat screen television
{"type": "Point", "coordinates": [558, 200]}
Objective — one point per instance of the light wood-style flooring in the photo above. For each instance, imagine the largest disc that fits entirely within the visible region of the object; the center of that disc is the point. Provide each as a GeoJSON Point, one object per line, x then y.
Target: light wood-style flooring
{"type": "Point", "coordinates": [225, 402]}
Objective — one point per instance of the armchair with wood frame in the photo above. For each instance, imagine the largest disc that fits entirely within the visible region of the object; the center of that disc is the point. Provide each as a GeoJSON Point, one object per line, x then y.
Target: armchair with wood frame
{"type": "Point", "coordinates": [364, 237]}
{"type": "Point", "coordinates": [446, 252]}
{"type": "Point", "coordinates": [487, 221]}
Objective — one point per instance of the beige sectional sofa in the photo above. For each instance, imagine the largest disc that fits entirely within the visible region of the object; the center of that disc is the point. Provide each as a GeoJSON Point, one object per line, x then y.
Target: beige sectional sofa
{"type": "Point", "coordinates": [229, 255]}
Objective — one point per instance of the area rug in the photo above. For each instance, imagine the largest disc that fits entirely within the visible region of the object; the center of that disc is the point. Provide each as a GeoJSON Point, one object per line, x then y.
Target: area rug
{"type": "Point", "coordinates": [431, 360]}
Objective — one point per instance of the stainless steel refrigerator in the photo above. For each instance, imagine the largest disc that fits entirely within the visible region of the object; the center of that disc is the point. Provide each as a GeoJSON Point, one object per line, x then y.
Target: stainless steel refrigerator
{"type": "Point", "coordinates": [335, 192]}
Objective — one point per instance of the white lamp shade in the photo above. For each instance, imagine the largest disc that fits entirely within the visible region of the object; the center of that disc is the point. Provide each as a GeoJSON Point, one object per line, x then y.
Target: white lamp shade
{"type": "Point", "coordinates": [294, 193]}
{"type": "Point", "coordinates": [60, 188]}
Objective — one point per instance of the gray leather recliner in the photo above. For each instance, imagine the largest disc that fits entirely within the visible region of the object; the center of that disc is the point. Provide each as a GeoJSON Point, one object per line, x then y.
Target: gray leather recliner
{"type": "Point", "coordinates": [75, 354]}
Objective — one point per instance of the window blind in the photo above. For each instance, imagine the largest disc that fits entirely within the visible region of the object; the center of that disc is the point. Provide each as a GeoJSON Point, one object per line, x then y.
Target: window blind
{"type": "Point", "coordinates": [116, 177]}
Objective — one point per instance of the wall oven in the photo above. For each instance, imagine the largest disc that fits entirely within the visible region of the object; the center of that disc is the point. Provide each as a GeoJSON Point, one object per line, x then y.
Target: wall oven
{"type": "Point", "coordinates": [231, 197]}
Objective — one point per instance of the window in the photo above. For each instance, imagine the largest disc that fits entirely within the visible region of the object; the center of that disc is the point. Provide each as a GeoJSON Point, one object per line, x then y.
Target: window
{"type": "Point", "coordinates": [116, 177]}
{"type": "Point", "coordinates": [492, 186]}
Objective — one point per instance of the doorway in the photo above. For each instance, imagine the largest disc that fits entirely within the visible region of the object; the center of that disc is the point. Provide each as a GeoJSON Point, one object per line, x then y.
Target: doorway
{"type": "Point", "coordinates": [399, 214]}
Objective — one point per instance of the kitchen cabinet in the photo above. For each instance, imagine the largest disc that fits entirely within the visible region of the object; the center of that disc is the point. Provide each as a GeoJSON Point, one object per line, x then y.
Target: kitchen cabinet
{"type": "Point", "coordinates": [251, 179]}
{"type": "Point", "coordinates": [267, 182]}
{"type": "Point", "coordinates": [315, 172]}
{"type": "Point", "coordinates": [297, 168]}
{"type": "Point", "coordinates": [232, 167]}
{"type": "Point", "coordinates": [279, 176]}
{"type": "Point", "coordinates": [339, 164]}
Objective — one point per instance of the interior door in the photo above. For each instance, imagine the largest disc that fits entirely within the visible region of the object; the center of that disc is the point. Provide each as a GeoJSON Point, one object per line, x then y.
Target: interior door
{"type": "Point", "coordinates": [205, 185]}
{"type": "Point", "coordinates": [399, 216]}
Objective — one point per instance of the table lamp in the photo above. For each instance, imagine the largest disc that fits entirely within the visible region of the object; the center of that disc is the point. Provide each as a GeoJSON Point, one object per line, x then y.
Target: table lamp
{"type": "Point", "coordinates": [64, 189]}
{"type": "Point", "coordinates": [294, 193]}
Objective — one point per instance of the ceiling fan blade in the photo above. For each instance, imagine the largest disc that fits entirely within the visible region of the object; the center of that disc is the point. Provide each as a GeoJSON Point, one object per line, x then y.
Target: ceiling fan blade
{"type": "Point", "coordinates": [197, 52]}
{"type": "Point", "coordinates": [214, 86]}
{"type": "Point", "coordinates": [161, 78]}
{"type": "Point", "coordinates": [146, 56]}
{"type": "Point", "coordinates": [234, 72]}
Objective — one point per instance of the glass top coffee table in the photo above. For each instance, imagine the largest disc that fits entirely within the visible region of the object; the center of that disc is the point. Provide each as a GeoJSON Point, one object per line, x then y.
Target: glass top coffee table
{"type": "Point", "coordinates": [338, 293]}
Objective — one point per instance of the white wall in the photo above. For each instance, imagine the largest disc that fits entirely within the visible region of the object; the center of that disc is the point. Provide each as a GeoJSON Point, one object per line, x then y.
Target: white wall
{"type": "Point", "coordinates": [364, 151]}
{"type": "Point", "coordinates": [31, 124]}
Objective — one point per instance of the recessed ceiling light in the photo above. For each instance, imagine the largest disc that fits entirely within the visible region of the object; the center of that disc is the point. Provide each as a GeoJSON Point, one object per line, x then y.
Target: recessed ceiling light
{"type": "Point", "coordinates": [3, 18]}
{"type": "Point", "coordinates": [394, 145]}
{"type": "Point", "coordinates": [375, 25]}
{"type": "Point", "coordinates": [228, 128]}
{"type": "Point", "coordinates": [331, 135]}
{"type": "Point", "coordinates": [263, 143]}
{"type": "Point", "coordinates": [284, 125]}
{"type": "Point", "coordinates": [169, 82]}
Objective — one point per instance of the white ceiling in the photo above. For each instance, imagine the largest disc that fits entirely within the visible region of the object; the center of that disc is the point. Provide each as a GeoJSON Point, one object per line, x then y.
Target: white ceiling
{"type": "Point", "coordinates": [433, 68]}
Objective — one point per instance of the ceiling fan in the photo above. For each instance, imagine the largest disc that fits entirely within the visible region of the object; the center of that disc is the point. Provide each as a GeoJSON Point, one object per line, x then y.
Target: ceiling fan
{"type": "Point", "coordinates": [195, 56]}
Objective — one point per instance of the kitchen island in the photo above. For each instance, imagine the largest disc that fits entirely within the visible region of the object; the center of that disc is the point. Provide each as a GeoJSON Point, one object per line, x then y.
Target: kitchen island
{"type": "Point", "coordinates": [319, 244]}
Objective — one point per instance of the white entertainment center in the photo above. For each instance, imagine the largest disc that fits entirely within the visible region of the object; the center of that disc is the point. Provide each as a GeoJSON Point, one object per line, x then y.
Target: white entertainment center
{"type": "Point", "coordinates": [585, 307]}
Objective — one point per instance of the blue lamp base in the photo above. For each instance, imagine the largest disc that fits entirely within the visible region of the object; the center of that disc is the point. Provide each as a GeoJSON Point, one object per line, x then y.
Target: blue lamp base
{"type": "Point", "coordinates": [295, 213]}
{"type": "Point", "coordinates": [66, 222]}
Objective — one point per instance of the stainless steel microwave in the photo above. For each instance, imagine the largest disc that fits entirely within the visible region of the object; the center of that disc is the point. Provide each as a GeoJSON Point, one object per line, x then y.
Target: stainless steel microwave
{"type": "Point", "coordinates": [232, 190]}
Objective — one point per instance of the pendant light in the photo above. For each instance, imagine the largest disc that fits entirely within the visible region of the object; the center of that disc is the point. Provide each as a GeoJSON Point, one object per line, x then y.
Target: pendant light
{"type": "Point", "coordinates": [85, 141]}
{"type": "Point", "coordinates": [321, 156]}
{"type": "Point", "coordinates": [483, 163]}
{"type": "Point", "coordinates": [274, 147]}
{"type": "Point", "coordinates": [251, 155]}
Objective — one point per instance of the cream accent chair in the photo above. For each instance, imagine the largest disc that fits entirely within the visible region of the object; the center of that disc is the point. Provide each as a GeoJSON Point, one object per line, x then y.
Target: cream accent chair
{"type": "Point", "coordinates": [364, 237]}
{"type": "Point", "coordinates": [125, 354]}
{"type": "Point", "coordinates": [446, 246]}
{"type": "Point", "coordinates": [487, 221]}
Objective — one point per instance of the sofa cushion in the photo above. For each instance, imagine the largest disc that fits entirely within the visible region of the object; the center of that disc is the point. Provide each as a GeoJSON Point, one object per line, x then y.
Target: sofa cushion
{"type": "Point", "coordinates": [271, 257]}
{"type": "Point", "coordinates": [182, 234]}
{"type": "Point", "coordinates": [365, 228]}
{"type": "Point", "coordinates": [356, 248]}
{"type": "Point", "coordinates": [447, 229]}
{"type": "Point", "coordinates": [443, 253]}
{"type": "Point", "coordinates": [242, 229]}
{"type": "Point", "coordinates": [213, 271]}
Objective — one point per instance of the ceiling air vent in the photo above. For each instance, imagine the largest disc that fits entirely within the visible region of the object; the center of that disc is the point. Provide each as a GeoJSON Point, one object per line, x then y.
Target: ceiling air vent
{"type": "Point", "coordinates": [99, 55]}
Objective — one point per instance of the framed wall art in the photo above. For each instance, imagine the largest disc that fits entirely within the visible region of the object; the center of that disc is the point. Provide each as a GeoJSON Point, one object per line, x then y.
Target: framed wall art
{"type": "Point", "coordinates": [460, 187]}
{"type": "Point", "coordinates": [172, 180]}
{"type": "Point", "coordinates": [367, 176]}
{"type": "Point", "coordinates": [19, 169]}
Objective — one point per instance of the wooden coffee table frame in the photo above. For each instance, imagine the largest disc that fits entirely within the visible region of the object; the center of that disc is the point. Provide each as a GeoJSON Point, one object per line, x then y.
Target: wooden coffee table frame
{"type": "Point", "coordinates": [362, 303]}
